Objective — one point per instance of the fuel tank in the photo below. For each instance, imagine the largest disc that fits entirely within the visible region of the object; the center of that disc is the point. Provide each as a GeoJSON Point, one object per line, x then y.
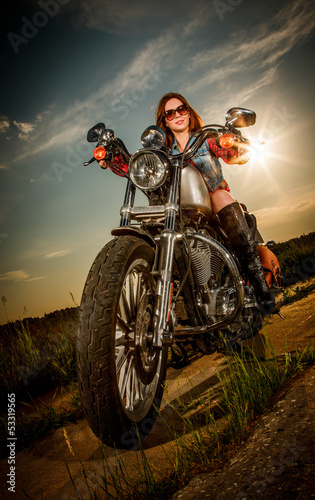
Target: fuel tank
{"type": "Point", "coordinates": [195, 199]}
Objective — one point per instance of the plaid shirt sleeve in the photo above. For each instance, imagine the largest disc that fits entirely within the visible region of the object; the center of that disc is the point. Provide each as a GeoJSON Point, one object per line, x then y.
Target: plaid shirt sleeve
{"type": "Point", "coordinates": [119, 166]}
{"type": "Point", "coordinates": [224, 153]}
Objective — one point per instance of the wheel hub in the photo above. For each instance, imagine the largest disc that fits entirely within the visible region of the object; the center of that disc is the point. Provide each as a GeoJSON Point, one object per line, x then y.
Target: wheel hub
{"type": "Point", "coordinates": [146, 355]}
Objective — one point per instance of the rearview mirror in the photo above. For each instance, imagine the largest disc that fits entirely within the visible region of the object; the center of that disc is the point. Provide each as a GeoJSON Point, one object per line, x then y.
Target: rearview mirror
{"type": "Point", "coordinates": [240, 117]}
{"type": "Point", "coordinates": [153, 137]}
{"type": "Point", "coordinates": [99, 133]}
{"type": "Point", "coordinates": [96, 132]}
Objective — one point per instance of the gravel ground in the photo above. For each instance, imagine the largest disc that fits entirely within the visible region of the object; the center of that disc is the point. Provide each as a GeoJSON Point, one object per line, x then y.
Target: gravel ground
{"type": "Point", "coordinates": [278, 459]}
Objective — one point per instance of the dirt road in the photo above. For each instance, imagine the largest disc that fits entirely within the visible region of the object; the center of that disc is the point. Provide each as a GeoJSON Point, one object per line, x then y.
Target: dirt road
{"type": "Point", "coordinates": [41, 471]}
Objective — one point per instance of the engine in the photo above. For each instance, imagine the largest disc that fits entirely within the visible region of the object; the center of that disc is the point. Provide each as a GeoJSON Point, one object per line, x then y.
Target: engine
{"type": "Point", "coordinates": [216, 295]}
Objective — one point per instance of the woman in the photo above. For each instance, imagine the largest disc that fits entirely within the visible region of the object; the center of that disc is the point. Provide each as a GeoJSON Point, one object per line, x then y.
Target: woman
{"type": "Point", "coordinates": [179, 120]}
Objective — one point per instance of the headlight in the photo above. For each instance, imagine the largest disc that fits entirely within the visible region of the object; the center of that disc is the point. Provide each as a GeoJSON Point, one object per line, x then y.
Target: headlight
{"type": "Point", "coordinates": [148, 169]}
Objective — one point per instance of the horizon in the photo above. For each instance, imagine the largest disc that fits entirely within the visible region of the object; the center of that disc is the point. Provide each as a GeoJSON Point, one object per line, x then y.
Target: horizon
{"type": "Point", "coordinates": [78, 305]}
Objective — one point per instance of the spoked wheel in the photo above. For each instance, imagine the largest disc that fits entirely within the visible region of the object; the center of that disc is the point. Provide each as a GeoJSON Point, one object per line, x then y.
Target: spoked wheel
{"type": "Point", "coordinates": [120, 372]}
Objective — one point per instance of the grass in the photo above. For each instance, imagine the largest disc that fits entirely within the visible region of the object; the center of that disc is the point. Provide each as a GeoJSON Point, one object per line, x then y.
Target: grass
{"type": "Point", "coordinates": [44, 419]}
{"type": "Point", "coordinates": [31, 364]}
{"type": "Point", "coordinates": [295, 293]}
{"type": "Point", "coordinates": [203, 443]}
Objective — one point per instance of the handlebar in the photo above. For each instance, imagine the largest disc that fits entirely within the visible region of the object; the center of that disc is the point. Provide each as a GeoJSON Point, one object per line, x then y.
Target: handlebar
{"type": "Point", "coordinates": [87, 163]}
{"type": "Point", "coordinates": [118, 143]}
{"type": "Point", "coordinates": [206, 132]}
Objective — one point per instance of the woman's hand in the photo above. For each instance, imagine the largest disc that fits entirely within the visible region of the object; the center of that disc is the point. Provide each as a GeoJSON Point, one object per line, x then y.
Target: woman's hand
{"type": "Point", "coordinates": [103, 164]}
{"type": "Point", "coordinates": [240, 159]}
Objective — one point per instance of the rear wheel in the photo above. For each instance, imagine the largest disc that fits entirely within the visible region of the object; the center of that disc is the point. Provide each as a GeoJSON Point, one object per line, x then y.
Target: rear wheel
{"type": "Point", "coordinates": [120, 373]}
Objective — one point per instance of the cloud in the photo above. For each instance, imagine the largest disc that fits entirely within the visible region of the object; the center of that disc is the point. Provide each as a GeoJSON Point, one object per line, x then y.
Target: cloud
{"type": "Point", "coordinates": [304, 205]}
{"type": "Point", "coordinates": [281, 213]}
{"type": "Point", "coordinates": [36, 279]}
{"type": "Point", "coordinates": [4, 124]}
{"type": "Point", "coordinates": [267, 43]}
{"type": "Point", "coordinates": [4, 167]}
{"type": "Point", "coordinates": [54, 255]}
{"type": "Point", "coordinates": [18, 275]}
{"type": "Point", "coordinates": [125, 17]}
{"type": "Point", "coordinates": [286, 220]}
{"type": "Point", "coordinates": [152, 63]}
{"type": "Point", "coordinates": [25, 129]}
{"type": "Point", "coordinates": [262, 50]}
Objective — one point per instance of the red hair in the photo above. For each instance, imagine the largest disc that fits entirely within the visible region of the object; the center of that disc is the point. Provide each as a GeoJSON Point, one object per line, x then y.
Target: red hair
{"type": "Point", "coordinates": [195, 120]}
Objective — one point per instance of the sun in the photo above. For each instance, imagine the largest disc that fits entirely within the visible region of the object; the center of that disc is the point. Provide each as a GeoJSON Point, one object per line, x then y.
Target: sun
{"type": "Point", "coordinates": [259, 151]}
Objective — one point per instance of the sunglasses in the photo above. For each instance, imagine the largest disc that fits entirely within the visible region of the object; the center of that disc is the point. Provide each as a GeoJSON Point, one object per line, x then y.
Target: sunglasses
{"type": "Point", "coordinates": [171, 113]}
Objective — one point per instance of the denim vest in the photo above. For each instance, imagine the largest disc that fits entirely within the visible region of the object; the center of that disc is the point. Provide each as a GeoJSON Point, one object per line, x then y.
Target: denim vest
{"type": "Point", "coordinates": [208, 165]}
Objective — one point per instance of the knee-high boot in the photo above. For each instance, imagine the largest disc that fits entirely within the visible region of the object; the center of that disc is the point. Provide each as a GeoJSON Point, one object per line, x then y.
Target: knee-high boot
{"type": "Point", "coordinates": [235, 226]}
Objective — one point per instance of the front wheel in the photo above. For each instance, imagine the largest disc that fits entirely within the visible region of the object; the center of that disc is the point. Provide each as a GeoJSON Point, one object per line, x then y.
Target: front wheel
{"type": "Point", "coordinates": [120, 373]}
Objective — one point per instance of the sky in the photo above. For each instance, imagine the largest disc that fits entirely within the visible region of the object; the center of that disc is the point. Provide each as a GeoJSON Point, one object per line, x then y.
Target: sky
{"type": "Point", "coordinates": [68, 65]}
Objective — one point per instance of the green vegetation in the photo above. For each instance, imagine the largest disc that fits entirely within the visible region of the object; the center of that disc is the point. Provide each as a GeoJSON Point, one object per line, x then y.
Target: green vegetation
{"type": "Point", "coordinates": [48, 418]}
{"type": "Point", "coordinates": [37, 355]}
{"type": "Point", "coordinates": [295, 293]}
{"type": "Point", "coordinates": [207, 437]}
{"type": "Point", "coordinates": [296, 258]}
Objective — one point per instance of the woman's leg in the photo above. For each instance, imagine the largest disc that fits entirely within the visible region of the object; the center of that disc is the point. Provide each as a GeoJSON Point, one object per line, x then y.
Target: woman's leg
{"type": "Point", "coordinates": [221, 199]}
{"type": "Point", "coordinates": [232, 219]}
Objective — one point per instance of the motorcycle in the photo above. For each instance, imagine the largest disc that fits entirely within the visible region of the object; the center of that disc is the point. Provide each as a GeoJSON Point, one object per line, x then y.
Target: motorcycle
{"type": "Point", "coordinates": [167, 282]}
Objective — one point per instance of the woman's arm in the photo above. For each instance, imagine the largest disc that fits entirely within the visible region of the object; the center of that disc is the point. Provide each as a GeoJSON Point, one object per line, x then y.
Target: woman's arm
{"type": "Point", "coordinates": [117, 164]}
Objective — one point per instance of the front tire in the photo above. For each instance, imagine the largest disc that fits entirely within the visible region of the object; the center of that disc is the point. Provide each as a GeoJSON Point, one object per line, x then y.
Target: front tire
{"type": "Point", "coordinates": [120, 373]}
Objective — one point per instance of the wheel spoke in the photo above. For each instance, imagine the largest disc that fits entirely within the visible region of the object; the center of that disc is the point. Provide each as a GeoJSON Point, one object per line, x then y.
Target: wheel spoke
{"type": "Point", "coordinates": [129, 391]}
{"type": "Point", "coordinates": [132, 281]}
{"type": "Point", "coordinates": [124, 307]}
{"type": "Point", "coordinates": [123, 325]}
{"type": "Point", "coordinates": [136, 396]}
{"type": "Point", "coordinates": [121, 360]}
{"type": "Point", "coordinates": [128, 287]}
{"type": "Point", "coordinates": [124, 377]}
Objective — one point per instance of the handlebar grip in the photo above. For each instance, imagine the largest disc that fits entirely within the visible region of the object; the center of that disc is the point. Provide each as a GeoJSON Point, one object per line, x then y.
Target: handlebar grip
{"type": "Point", "coordinates": [87, 163]}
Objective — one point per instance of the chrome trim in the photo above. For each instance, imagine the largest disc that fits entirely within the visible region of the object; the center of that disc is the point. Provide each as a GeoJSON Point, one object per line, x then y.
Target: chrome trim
{"type": "Point", "coordinates": [240, 117]}
{"type": "Point", "coordinates": [153, 137]}
{"type": "Point", "coordinates": [237, 282]}
{"type": "Point", "coordinates": [149, 151]}
{"type": "Point", "coordinates": [155, 211]}
{"type": "Point", "coordinates": [165, 242]}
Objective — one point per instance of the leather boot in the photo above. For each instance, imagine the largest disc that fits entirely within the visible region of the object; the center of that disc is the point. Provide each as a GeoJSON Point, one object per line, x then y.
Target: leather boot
{"type": "Point", "coordinates": [233, 221]}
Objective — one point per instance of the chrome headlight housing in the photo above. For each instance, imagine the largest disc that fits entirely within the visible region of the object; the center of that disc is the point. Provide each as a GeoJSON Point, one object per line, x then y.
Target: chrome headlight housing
{"type": "Point", "coordinates": [148, 169]}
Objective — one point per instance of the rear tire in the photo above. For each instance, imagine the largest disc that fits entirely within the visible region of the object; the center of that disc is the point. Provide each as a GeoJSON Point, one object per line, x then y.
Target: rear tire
{"type": "Point", "coordinates": [120, 373]}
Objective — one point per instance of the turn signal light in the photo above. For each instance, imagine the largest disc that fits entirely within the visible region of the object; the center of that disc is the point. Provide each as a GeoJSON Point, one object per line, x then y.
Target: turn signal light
{"type": "Point", "coordinates": [226, 141]}
{"type": "Point", "coordinates": [99, 153]}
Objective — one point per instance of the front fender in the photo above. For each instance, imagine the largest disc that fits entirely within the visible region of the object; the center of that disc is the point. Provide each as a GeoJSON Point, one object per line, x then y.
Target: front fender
{"type": "Point", "coordinates": [127, 230]}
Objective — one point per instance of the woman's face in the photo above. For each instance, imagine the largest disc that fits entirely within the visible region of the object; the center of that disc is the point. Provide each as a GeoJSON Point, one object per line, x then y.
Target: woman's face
{"type": "Point", "coordinates": [180, 123]}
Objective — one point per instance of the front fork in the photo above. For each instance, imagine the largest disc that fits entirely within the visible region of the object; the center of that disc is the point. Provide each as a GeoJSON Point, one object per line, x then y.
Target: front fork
{"type": "Point", "coordinates": [164, 288]}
